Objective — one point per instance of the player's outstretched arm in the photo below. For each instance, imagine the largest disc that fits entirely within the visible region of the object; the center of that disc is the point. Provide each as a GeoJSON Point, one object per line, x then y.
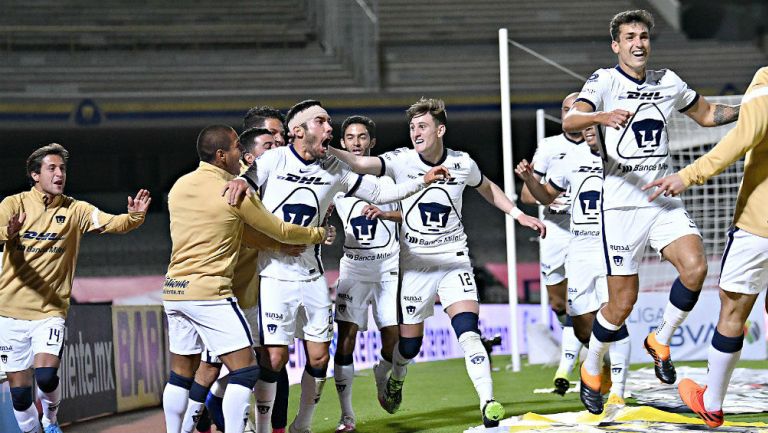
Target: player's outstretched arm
{"type": "Point", "coordinates": [359, 164]}
{"type": "Point", "coordinates": [372, 190]}
{"type": "Point", "coordinates": [544, 193]}
{"type": "Point", "coordinates": [372, 212]}
{"type": "Point", "coordinates": [581, 116]}
{"type": "Point", "coordinates": [495, 196]}
{"type": "Point", "coordinates": [253, 213]}
{"type": "Point", "coordinates": [102, 222]}
{"type": "Point", "coordinates": [709, 114]}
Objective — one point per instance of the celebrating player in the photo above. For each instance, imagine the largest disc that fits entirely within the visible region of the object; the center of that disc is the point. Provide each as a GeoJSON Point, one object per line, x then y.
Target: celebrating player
{"type": "Point", "coordinates": [41, 233]}
{"type": "Point", "coordinates": [631, 104]}
{"type": "Point", "coordinates": [434, 255]}
{"type": "Point", "coordinates": [744, 272]}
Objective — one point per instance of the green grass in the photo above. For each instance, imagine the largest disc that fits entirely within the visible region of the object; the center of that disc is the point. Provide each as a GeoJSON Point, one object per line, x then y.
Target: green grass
{"type": "Point", "coordinates": [438, 397]}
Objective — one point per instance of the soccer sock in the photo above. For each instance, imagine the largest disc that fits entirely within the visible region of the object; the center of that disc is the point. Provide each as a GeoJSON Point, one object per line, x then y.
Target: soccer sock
{"type": "Point", "coordinates": [312, 382]}
{"type": "Point", "coordinates": [620, 351]}
{"type": "Point", "coordinates": [603, 334]}
{"type": "Point", "coordinates": [724, 353]}
{"type": "Point", "coordinates": [569, 348]}
{"type": "Point", "coordinates": [478, 365]}
{"type": "Point", "coordinates": [264, 392]}
{"type": "Point", "coordinates": [406, 349]}
{"type": "Point", "coordinates": [25, 410]}
{"type": "Point", "coordinates": [237, 397]}
{"type": "Point", "coordinates": [280, 407]}
{"type": "Point", "coordinates": [49, 393]}
{"type": "Point", "coordinates": [344, 374]}
{"type": "Point", "coordinates": [681, 302]}
{"type": "Point", "coordinates": [175, 396]}
{"type": "Point", "coordinates": [197, 395]}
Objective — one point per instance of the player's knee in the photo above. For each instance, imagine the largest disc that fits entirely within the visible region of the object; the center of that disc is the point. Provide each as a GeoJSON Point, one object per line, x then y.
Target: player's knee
{"type": "Point", "coordinates": [409, 347]}
{"type": "Point", "coordinates": [319, 360]}
{"type": "Point", "coordinates": [179, 380]}
{"type": "Point", "coordinates": [21, 398]}
{"type": "Point", "coordinates": [465, 322]}
{"type": "Point", "coordinates": [277, 360]}
{"type": "Point", "coordinates": [693, 274]}
{"type": "Point", "coordinates": [207, 373]}
{"type": "Point", "coordinates": [343, 359]}
{"type": "Point", "coordinates": [246, 377]}
{"type": "Point", "coordinates": [46, 378]}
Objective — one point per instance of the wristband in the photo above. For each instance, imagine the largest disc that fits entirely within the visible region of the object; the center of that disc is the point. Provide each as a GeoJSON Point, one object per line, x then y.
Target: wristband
{"type": "Point", "coordinates": [515, 212]}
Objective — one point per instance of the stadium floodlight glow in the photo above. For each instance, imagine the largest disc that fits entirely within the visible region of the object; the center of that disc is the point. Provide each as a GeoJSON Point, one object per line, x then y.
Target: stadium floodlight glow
{"type": "Point", "coordinates": [509, 189]}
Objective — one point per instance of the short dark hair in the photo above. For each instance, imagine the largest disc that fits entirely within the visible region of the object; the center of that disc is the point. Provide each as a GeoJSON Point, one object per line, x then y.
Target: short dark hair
{"type": "Point", "coordinates": [362, 120]}
{"type": "Point", "coordinates": [256, 116]}
{"type": "Point", "coordinates": [435, 107]}
{"type": "Point", "coordinates": [35, 160]}
{"type": "Point", "coordinates": [301, 106]}
{"type": "Point", "coordinates": [248, 137]}
{"type": "Point", "coordinates": [211, 139]}
{"type": "Point", "coordinates": [629, 17]}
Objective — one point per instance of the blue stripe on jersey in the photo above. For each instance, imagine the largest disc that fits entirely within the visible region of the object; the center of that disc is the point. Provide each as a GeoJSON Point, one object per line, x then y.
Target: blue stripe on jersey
{"type": "Point", "coordinates": [355, 186]}
{"type": "Point", "coordinates": [556, 186]}
{"type": "Point", "coordinates": [319, 260]}
{"type": "Point", "coordinates": [261, 311]}
{"type": "Point", "coordinates": [605, 241]}
{"type": "Point", "coordinates": [383, 166]}
{"type": "Point", "coordinates": [688, 107]}
{"type": "Point", "coordinates": [591, 104]}
{"type": "Point", "coordinates": [233, 303]}
{"type": "Point", "coordinates": [731, 231]}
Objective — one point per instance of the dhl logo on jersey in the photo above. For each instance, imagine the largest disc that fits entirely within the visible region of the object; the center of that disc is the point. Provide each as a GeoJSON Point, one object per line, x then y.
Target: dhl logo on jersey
{"type": "Point", "coordinates": [43, 236]}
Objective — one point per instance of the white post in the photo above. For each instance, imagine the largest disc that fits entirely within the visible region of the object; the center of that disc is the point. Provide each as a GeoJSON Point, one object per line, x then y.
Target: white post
{"type": "Point", "coordinates": [541, 132]}
{"type": "Point", "coordinates": [509, 188]}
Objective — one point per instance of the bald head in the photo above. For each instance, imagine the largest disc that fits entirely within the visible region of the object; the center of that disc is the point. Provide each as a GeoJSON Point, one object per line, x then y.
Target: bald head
{"type": "Point", "coordinates": [567, 104]}
{"type": "Point", "coordinates": [213, 138]}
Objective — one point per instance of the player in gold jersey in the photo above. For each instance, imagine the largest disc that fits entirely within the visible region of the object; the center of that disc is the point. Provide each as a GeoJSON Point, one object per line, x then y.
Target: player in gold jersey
{"type": "Point", "coordinates": [41, 231]}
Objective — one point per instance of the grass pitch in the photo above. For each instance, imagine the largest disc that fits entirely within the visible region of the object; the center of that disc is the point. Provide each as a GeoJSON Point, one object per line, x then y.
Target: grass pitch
{"type": "Point", "coordinates": [438, 397]}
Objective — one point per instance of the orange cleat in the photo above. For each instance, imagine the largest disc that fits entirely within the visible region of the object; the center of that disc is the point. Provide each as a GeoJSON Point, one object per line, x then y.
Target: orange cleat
{"type": "Point", "coordinates": [693, 396]}
{"type": "Point", "coordinates": [590, 392]}
{"type": "Point", "coordinates": [662, 361]}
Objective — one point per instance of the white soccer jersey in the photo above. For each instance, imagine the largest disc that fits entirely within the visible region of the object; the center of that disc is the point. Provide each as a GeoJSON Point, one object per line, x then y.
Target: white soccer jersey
{"type": "Point", "coordinates": [300, 192]}
{"type": "Point", "coordinates": [371, 246]}
{"type": "Point", "coordinates": [638, 153]}
{"type": "Point", "coordinates": [550, 150]}
{"type": "Point", "coordinates": [432, 231]}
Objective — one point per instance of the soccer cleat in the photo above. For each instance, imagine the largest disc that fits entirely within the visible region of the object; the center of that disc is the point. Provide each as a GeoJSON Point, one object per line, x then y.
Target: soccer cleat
{"type": "Point", "coordinates": [492, 412]}
{"type": "Point", "coordinates": [615, 400]}
{"type": "Point", "coordinates": [662, 361]}
{"type": "Point", "coordinates": [346, 424]}
{"type": "Point", "coordinates": [590, 392]}
{"type": "Point", "coordinates": [693, 396]}
{"type": "Point", "coordinates": [561, 383]}
{"type": "Point", "coordinates": [393, 395]}
{"type": "Point", "coordinates": [380, 375]}
{"type": "Point", "coordinates": [53, 428]}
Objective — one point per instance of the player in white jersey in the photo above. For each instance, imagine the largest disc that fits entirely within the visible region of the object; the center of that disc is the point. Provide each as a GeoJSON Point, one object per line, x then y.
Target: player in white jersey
{"type": "Point", "coordinates": [630, 105]}
{"type": "Point", "coordinates": [434, 255]}
{"type": "Point", "coordinates": [580, 171]}
{"type": "Point", "coordinates": [368, 275]}
{"type": "Point", "coordinates": [554, 248]}
{"type": "Point", "coordinates": [298, 183]}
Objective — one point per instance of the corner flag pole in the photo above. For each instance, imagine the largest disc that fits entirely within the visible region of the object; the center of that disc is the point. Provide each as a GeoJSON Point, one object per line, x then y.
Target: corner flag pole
{"type": "Point", "coordinates": [509, 189]}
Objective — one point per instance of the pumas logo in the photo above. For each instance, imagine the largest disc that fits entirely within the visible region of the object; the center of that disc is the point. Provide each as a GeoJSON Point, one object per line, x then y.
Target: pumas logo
{"type": "Point", "coordinates": [364, 229]}
{"type": "Point", "coordinates": [271, 328]}
{"type": "Point", "coordinates": [569, 355]}
{"type": "Point", "coordinates": [618, 260]}
{"type": "Point", "coordinates": [648, 134]}
{"type": "Point", "coordinates": [616, 370]}
{"type": "Point", "coordinates": [477, 359]}
{"type": "Point", "coordinates": [588, 201]}
{"type": "Point", "coordinates": [60, 219]}
{"type": "Point", "coordinates": [299, 214]}
{"type": "Point", "coordinates": [410, 309]}
{"type": "Point", "coordinates": [434, 216]}
{"type": "Point", "coordinates": [262, 409]}
{"type": "Point", "coordinates": [342, 308]}
{"type": "Point", "coordinates": [4, 359]}
{"type": "Point", "coordinates": [340, 388]}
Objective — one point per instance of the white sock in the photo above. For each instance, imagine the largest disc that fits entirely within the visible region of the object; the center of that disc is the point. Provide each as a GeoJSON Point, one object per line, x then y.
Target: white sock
{"type": "Point", "coordinates": [569, 350]}
{"type": "Point", "coordinates": [620, 353]}
{"type": "Point", "coordinates": [594, 361]}
{"type": "Point", "coordinates": [220, 386]}
{"type": "Point", "coordinates": [237, 401]}
{"type": "Point", "coordinates": [478, 365]}
{"type": "Point", "coordinates": [50, 404]}
{"type": "Point", "coordinates": [344, 375]}
{"type": "Point", "coordinates": [174, 405]}
{"type": "Point", "coordinates": [311, 390]}
{"type": "Point", "coordinates": [27, 420]}
{"type": "Point", "coordinates": [720, 365]}
{"type": "Point", "coordinates": [673, 318]}
{"type": "Point", "coordinates": [191, 415]}
{"type": "Point", "coordinates": [264, 392]}
{"type": "Point", "coordinates": [399, 364]}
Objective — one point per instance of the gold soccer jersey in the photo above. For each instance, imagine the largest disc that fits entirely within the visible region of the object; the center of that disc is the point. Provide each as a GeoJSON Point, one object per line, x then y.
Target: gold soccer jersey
{"type": "Point", "coordinates": [39, 263]}
{"type": "Point", "coordinates": [750, 137]}
{"type": "Point", "coordinates": [206, 233]}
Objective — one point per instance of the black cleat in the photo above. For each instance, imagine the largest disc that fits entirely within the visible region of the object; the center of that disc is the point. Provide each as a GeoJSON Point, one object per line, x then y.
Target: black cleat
{"type": "Point", "coordinates": [393, 395]}
{"type": "Point", "coordinates": [591, 397]}
{"type": "Point", "coordinates": [561, 386]}
{"type": "Point", "coordinates": [492, 413]}
{"type": "Point", "coordinates": [664, 368]}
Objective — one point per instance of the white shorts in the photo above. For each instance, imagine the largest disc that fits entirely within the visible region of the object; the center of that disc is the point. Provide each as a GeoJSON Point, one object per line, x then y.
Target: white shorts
{"type": "Point", "coordinates": [627, 232]}
{"type": "Point", "coordinates": [252, 318]}
{"type": "Point", "coordinates": [744, 267]}
{"type": "Point", "coordinates": [453, 283]}
{"type": "Point", "coordinates": [587, 284]}
{"type": "Point", "coordinates": [290, 309]}
{"type": "Point", "coordinates": [553, 250]}
{"type": "Point", "coordinates": [21, 340]}
{"type": "Point", "coordinates": [353, 298]}
{"type": "Point", "coordinates": [218, 326]}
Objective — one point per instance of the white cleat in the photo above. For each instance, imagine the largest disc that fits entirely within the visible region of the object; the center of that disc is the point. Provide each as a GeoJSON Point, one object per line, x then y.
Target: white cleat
{"type": "Point", "coordinates": [346, 424]}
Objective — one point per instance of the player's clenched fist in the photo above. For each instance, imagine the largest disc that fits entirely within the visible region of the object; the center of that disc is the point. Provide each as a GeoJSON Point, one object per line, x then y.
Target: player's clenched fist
{"type": "Point", "coordinates": [615, 119]}
{"type": "Point", "coordinates": [436, 173]}
{"type": "Point", "coordinates": [524, 170]}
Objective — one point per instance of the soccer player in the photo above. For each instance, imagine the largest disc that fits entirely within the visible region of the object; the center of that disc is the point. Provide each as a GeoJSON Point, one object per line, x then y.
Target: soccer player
{"type": "Point", "coordinates": [630, 104]}
{"type": "Point", "coordinates": [434, 255]}
{"type": "Point", "coordinates": [554, 248]}
{"type": "Point", "coordinates": [368, 275]}
{"type": "Point", "coordinates": [298, 183]}
{"type": "Point", "coordinates": [41, 231]}
{"type": "Point", "coordinates": [268, 118]}
{"type": "Point", "coordinates": [580, 171]}
{"type": "Point", "coordinates": [744, 272]}
{"type": "Point", "coordinates": [197, 295]}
